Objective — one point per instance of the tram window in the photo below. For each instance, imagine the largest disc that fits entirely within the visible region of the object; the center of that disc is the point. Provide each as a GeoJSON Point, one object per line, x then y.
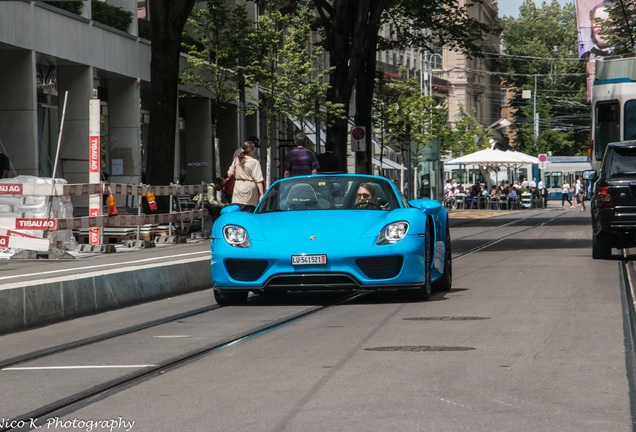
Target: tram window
{"type": "Point", "coordinates": [607, 128]}
{"type": "Point", "coordinates": [554, 179]}
{"type": "Point", "coordinates": [522, 174]}
{"type": "Point", "coordinates": [629, 131]}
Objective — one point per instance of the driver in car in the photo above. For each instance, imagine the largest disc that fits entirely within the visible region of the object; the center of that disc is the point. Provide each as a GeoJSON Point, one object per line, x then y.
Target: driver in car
{"type": "Point", "coordinates": [366, 198]}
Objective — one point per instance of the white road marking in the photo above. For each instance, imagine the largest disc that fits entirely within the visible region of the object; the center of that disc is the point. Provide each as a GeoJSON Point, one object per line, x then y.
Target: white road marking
{"type": "Point", "coordinates": [76, 367]}
{"type": "Point", "coordinates": [115, 268]}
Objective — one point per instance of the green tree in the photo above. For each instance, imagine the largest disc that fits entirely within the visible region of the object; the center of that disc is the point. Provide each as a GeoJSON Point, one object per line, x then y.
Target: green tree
{"type": "Point", "coordinates": [222, 45]}
{"type": "Point", "coordinates": [620, 29]}
{"type": "Point", "coordinates": [468, 135]}
{"type": "Point", "coordinates": [541, 57]}
{"type": "Point", "coordinates": [284, 68]}
{"type": "Point", "coordinates": [402, 115]}
{"type": "Point", "coordinates": [351, 37]}
{"type": "Point", "coordinates": [168, 18]}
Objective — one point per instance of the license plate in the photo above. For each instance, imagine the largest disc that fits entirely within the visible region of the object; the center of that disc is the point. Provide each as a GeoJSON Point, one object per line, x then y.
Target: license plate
{"type": "Point", "coordinates": [309, 259]}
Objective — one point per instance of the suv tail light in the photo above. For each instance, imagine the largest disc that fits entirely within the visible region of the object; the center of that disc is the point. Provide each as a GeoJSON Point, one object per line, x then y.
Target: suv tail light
{"type": "Point", "coordinates": [604, 198]}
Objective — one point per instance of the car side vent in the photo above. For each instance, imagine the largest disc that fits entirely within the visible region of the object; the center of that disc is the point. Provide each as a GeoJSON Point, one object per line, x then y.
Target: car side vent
{"type": "Point", "coordinates": [384, 267]}
{"type": "Point", "coordinates": [245, 270]}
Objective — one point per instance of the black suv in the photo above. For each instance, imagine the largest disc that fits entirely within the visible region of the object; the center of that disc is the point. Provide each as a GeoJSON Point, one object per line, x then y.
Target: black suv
{"type": "Point", "coordinates": [614, 201]}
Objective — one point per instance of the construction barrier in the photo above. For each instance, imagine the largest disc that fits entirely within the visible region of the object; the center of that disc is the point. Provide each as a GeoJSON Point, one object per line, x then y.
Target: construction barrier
{"type": "Point", "coordinates": [33, 210]}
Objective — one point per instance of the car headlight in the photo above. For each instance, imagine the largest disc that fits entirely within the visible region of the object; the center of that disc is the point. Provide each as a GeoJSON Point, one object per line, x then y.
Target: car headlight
{"type": "Point", "coordinates": [236, 236]}
{"type": "Point", "coordinates": [392, 233]}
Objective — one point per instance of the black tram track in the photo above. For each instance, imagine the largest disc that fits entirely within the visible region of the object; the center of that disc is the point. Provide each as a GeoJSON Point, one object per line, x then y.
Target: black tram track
{"type": "Point", "coordinates": [37, 418]}
{"type": "Point", "coordinates": [49, 351]}
{"type": "Point", "coordinates": [487, 244]}
{"type": "Point", "coordinates": [628, 297]}
{"type": "Point", "coordinates": [103, 390]}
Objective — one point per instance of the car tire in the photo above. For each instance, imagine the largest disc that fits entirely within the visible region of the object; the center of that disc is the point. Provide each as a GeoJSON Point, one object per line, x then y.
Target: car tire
{"type": "Point", "coordinates": [423, 293]}
{"type": "Point", "coordinates": [445, 283]}
{"type": "Point", "coordinates": [601, 246]}
{"type": "Point", "coordinates": [230, 298]}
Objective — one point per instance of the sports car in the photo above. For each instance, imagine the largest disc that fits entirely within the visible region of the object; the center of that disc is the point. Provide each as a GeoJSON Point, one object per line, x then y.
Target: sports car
{"type": "Point", "coordinates": [331, 232]}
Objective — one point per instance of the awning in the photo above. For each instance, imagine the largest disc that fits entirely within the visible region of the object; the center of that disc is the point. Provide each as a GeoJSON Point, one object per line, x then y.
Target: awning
{"type": "Point", "coordinates": [388, 164]}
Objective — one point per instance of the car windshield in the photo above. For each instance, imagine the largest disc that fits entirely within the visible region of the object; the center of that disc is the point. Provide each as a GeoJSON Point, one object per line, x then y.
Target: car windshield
{"type": "Point", "coordinates": [623, 162]}
{"type": "Point", "coordinates": [329, 193]}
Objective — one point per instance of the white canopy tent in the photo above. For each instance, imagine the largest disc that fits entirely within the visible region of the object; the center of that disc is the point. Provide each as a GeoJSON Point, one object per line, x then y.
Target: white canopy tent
{"type": "Point", "coordinates": [492, 159]}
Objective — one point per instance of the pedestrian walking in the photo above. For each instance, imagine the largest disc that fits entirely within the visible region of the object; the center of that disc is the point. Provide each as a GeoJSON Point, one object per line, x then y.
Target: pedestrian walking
{"type": "Point", "coordinates": [583, 193]}
{"type": "Point", "coordinates": [565, 194]}
{"type": "Point", "coordinates": [300, 160]}
{"type": "Point", "coordinates": [249, 186]}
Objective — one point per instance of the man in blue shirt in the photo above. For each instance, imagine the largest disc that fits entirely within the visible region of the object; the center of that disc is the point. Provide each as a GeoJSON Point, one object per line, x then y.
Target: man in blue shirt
{"type": "Point", "coordinates": [299, 160]}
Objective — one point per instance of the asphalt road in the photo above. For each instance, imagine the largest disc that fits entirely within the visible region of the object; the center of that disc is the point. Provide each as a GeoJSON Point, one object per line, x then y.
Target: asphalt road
{"type": "Point", "coordinates": [534, 336]}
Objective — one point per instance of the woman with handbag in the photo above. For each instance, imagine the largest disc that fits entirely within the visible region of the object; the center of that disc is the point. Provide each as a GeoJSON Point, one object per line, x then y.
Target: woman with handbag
{"type": "Point", "coordinates": [249, 186]}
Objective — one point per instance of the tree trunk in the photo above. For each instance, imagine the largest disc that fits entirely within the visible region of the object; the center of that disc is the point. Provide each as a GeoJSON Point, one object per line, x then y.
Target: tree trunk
{"type": "Point", "coordinates": [364, 101]}
{"type": "Point", "coordinates": [341, 80]}
{"type": "Point", "coordinates": [167, 17]}
{"type": "Point", "coordinates": [351, 32]}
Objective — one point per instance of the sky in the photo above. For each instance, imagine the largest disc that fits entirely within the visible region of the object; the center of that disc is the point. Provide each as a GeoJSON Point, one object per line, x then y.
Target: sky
{"type": "Point", "coordinates": [511, 7]}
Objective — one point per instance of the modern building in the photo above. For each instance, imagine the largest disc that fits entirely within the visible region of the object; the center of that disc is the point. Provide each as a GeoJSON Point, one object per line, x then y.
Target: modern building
{"type": "Point", "coordinates": [54, 61]}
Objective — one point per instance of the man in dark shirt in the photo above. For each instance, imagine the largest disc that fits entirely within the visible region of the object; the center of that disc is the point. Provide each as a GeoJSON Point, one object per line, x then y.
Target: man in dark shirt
{"type": "Point", "coordinates": [5, 166]}
{"type": "Point", "coordinates": [328, 162]}
{"type": "Point", "coordinates": [299, 160]}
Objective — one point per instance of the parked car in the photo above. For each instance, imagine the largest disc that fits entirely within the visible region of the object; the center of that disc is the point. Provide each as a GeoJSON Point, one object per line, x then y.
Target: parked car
{"type": "Point", "coordinates": [331, 232]}
{"type": "Point", "coordinates": [613, 204]}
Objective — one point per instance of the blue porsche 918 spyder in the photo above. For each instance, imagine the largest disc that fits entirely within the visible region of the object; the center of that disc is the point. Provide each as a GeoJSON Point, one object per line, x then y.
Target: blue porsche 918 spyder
{"type": "Point", "coordinates": [331, 232]}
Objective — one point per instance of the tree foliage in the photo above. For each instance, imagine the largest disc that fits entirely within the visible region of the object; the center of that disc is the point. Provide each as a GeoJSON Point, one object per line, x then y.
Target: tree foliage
{"type": "Point", "coordinates": [284, 67]}
{"type": "Point", "coordinates": [351, 31]}
{"type": "Point", "coordinates": [223, 35]}
{"type": "Point", "coordinates": [541, 50]}
{"type": "Point", "coordinates": [620, 28]}
{"type": "Point", "coordinates": [402, 114]}
{"type": "Point", "coordinates": [222, 43]}
{"type": "Point", "coordinates": [468, 135]}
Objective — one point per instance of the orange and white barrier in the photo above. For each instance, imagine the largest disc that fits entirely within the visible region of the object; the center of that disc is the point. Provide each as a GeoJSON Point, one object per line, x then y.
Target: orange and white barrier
{"type": "Point", "coordinates": [32, 208]}
{"type": "Point", "coordinates": [17, 240]}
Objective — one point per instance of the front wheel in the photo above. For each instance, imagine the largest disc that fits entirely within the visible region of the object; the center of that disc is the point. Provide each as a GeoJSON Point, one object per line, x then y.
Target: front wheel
{"type": "Point", "coordinates": [601, 246]}
{"type": "Point", "coordinates": [230, 298]}
{"type": "Point", "coordinates": [445, 283]}
{"type": "Point", "coordinates": [423, 293]}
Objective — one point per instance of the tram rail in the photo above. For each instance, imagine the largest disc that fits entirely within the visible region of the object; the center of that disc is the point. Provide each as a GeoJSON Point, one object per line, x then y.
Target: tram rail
{"type": "Point", "coordinates": [37, 417]}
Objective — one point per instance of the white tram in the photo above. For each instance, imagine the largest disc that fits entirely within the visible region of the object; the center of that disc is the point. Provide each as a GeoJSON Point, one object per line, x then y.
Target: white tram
{"type": "Point", "coordinates": [613, 105]}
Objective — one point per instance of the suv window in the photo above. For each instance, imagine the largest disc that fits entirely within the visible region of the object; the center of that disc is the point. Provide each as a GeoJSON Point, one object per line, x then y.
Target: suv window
{"type": "Point", "coordinates": [622, 162]}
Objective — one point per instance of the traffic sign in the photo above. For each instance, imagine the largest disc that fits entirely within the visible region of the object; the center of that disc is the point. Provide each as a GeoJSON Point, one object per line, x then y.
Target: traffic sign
{"type": "Point", "coordinates": [358, 142]}
{"type": "Point", "coordinates": [542, 157]}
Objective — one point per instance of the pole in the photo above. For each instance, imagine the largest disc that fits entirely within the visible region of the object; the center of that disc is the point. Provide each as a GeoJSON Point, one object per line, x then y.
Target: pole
{"type": "Point", "coordinates": [536, 115]}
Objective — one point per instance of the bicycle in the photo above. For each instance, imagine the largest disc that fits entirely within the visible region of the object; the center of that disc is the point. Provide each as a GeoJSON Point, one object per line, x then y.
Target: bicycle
{"type": "Point", "coordinates": [450, 202]}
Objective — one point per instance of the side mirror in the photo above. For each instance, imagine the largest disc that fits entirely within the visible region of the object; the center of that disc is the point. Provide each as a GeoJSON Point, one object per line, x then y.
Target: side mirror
{"type": "Point", "coordinates": [590, 175]}
{"type": "Point", "coordinates": [428, 206]}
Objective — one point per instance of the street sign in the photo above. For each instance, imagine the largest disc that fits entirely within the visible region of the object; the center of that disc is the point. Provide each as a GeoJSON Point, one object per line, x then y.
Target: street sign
{"type": "Point", "coordinates": [542, 157]}
{"type": "Point", "coordinates": [543, 165]}
{"type": "Point", "coordinates": [358, 143]}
